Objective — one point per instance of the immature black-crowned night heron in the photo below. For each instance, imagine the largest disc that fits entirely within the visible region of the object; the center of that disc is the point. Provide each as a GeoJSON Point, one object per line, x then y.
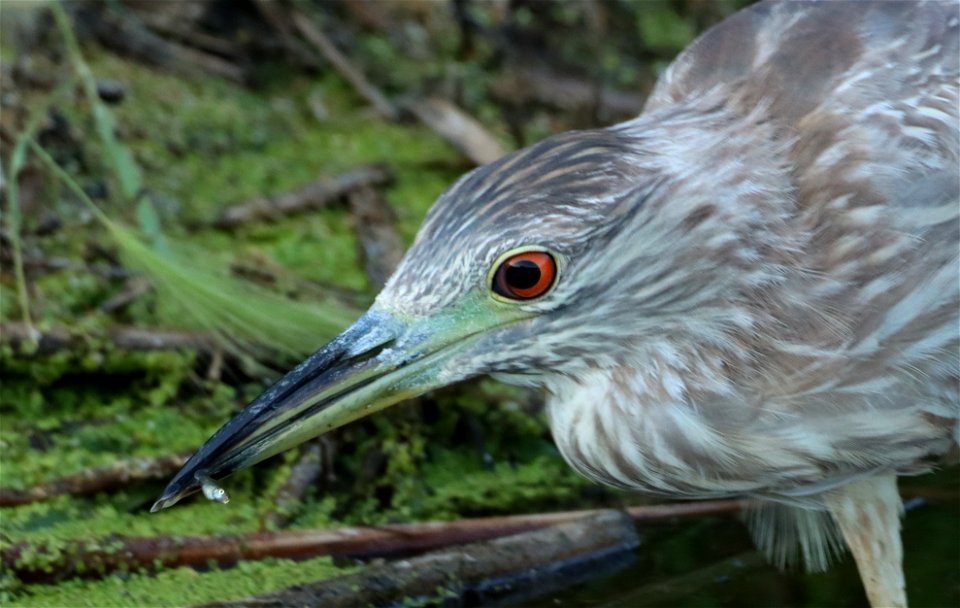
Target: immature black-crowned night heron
{"type": "Point", "coordinates": [752, 288]}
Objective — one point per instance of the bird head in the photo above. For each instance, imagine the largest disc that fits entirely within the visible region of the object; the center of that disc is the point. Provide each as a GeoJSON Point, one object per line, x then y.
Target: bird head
{"type": "Point", "coordinates": [554, 259]}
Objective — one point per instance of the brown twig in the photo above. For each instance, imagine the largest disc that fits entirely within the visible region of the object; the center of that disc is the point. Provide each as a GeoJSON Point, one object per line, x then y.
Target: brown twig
{"type": "Point", "coordinates": [95, 558]}
{"type": "Point", "coordinates": [684, 510]}
{"type": "Point", "coordinates": [343, 66]}
{"type": "Point", "coordinates": [100, 479]}
{"type": "Point", "coordinates": [125, 338]}
{"type": "Point", "coordinates": [458, 128]}
{"type": "Point", "coordinates": [127, 36]}
{"type": "Point", "coordinates": [534, 554]}
{"type": "Point", "coordinates": [183, 28]}
{"type": "Point", "coordinates": [290, 496]}
{"type": "Point", "coordinates": [375, 223]}
{"type": "Point", "coordinates": [133, 289]}
{"type": "Point", "coordinates": [567, 93]}
{"type": "Point", "coordinates": [312, 196]}
{"type": "Point", "coordinates": [37, 264]}
{"type": "Point", "coordinates": [279, 20]}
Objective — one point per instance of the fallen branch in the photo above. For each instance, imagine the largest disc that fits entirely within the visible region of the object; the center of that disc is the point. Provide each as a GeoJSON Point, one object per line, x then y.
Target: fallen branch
{"type": "Point", "coordinates": [458, 128]}
{"type": "Point", "coordinates": [314, 195]}
{"type": "Point", "coordinates": [375, 223]}
{"type": "Point", "coordinates": [99, 557]}
{"type": "Point", "coordinates": [101, 479]}
{"type": "Point", "coordinates": [528, 559]}
{"type": "Point", "coordinates": [60, 338]}
{"type": "Point", "coordinates": [343, 66]}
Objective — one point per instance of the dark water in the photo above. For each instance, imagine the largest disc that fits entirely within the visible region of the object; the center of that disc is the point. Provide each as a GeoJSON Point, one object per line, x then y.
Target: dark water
{"type": "Point", "coordinates": [711, 562]}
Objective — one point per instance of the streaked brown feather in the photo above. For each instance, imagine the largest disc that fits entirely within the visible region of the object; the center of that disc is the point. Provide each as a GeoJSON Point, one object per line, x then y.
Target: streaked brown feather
{"type": "Point", "coordinates": [762, 293]}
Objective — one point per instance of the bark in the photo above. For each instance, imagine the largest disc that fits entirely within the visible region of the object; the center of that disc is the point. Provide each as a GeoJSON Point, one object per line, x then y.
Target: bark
{"type": "Point", "coordinates": [462, 568]}
{"type": "Point", "coordinates": [96, 558]}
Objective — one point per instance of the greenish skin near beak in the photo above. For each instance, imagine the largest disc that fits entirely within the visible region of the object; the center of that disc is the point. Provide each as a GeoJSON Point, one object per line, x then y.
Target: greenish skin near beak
{"type": "Point", "coordinates": [378, 361]}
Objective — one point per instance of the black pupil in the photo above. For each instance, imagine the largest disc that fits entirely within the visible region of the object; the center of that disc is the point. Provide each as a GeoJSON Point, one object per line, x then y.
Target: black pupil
{"type": "Point", "coordinates": [523, 274]}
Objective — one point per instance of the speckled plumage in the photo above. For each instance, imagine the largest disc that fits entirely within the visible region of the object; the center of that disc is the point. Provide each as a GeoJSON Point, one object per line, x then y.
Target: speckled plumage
{"type": "Point", "coordinates": [759, 287]}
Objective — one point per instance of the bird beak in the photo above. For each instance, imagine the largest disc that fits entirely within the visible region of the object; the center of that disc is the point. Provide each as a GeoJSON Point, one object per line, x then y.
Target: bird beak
{"type": "Point", "coordinates": [376, 362]}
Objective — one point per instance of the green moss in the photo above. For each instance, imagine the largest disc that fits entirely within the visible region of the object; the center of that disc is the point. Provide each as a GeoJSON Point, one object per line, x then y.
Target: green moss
{"type": "Point", "coordinates": [207, 145]}
{"type": "Point", "coordinates": [455, 489]}
{"type": "Point", "coordinates": [77, 409]}
{"type": "Point", "coordinates": [203, 145]}
{"type": "Point", "coordinates": [663, 29]}
{"type": "Point", "coordinates": [65, 518]}
{"type": "Point", "coordinates": [480, 453]}
{"type": "Point", "coordinates": [167, 368]}
{"type": "Point", "coordinates": [176, 586]}
{"type": "Point", "coordinates": [36, 455]}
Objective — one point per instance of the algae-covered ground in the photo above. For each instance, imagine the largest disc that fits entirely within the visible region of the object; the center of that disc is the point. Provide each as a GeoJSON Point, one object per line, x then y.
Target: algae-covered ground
{"type": "Point", "coordinates": [199, 143]}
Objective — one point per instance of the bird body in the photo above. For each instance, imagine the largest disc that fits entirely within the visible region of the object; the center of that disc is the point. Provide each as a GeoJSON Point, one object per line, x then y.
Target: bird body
{"type": "Point", "coordinates": [818, 340]}
{"type": "Point", "coordinates": [752, 288]}
{"type": "Point", "coordinates": [781, 315]}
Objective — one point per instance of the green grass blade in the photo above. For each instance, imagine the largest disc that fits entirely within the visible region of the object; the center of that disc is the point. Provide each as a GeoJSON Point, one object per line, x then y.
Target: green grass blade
{"type": "Point", "coordinates": [14, 217]}
{"type": "Point", "coordinates": [242, 314]}
{"type": "Point", "coordinates": [124, 166]}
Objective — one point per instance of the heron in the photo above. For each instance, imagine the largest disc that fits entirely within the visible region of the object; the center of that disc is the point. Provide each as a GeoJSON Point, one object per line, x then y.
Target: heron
{"type": "Point", "coordinates": [752, 288]}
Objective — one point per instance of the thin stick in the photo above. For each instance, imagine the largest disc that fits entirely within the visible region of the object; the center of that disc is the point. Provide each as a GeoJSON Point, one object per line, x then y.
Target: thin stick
{"type": "Point", "coordinates": [95, 558]}
{"type": "Point", "coordinates": [567, 93]}
{"type": "Point", "coordinates": [290, 496]}
{"type": "Point", "coordinates": [130, 37]}
{"type": "Point", "coordinates": [17, 161]}
{"type": "Point", "coordinates": [459, 128]}
{"type": "Point", "coordinates": [39, 264]}
{"type": "Point", "coordinates": [14, 223]}
{"type": "Point", "coordinates": [184, 31]}
{"type": "Point", "coordinates": [344, 67]}
{"type": "Point", "coordinates": [133, 289]}
{"type": "Point", "coordinates": [375, 223]}
{"type": "Point", "coordinates": [278, 18]}
{"type": "Point", "coordinates": [59, 338]}
{"type": "Point", "coordinates": [101, 479]}
{"type": "Point", "coordinates": [125, 168]}
{"type": "Point", "coordinates": [314, 195]}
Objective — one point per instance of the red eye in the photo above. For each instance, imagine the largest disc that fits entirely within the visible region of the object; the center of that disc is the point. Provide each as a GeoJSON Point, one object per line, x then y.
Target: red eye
{"type": "Point", "coordinates": [525, 276]}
